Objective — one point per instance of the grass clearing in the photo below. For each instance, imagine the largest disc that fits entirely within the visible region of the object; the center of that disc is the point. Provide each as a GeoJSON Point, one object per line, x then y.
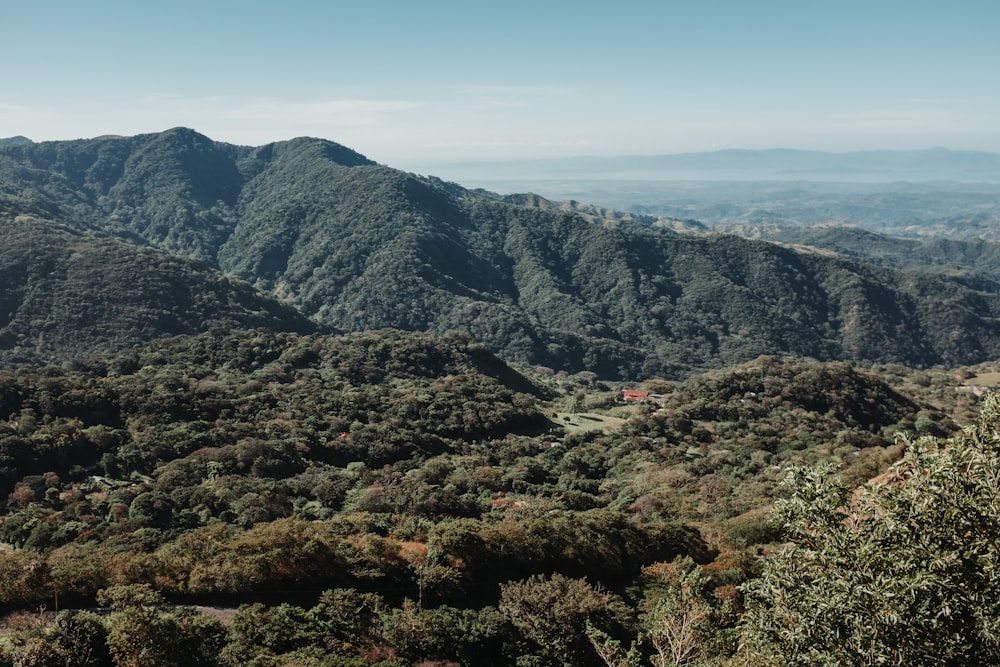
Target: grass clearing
{"type": "Point", "coordinates": [581, 422]}
{"type": "Point", "coordinates": [985, 379]}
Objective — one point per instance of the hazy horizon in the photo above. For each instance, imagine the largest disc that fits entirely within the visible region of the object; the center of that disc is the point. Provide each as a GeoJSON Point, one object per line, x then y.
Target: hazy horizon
{"type": "Point", "coordinates": [873, 166]}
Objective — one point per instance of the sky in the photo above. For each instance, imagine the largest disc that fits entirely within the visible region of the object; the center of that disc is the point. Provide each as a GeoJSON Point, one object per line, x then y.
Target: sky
{"type": "Point", "coordinates": [416, 83]}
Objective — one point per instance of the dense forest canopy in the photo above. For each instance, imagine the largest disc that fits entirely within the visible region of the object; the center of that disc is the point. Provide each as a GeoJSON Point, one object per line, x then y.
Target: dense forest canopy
{"type": "Point", "coordinates": [66, 294]}
{"type": "Point", "coordinates": [449, 500]}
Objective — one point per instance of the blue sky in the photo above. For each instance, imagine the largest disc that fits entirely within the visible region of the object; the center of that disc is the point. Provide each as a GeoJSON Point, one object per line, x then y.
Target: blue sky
{"type": "Point", "coordinates": [417, 83]}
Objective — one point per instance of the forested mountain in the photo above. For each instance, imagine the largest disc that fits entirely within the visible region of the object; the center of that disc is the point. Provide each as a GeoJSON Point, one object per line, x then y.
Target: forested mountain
{"type": "Point", "coordinates": [355, 245]}
{"type": "Point", "coordinates": [392, 498]}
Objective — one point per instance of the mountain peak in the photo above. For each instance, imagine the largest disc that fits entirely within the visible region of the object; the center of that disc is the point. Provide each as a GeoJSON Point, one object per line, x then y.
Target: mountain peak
{"type": "Point", "coordinates": [331, 150]}
{"type": "Point", "coordinates": [16, 141]}
{"type": "Point", "coordinates": [179, 135]}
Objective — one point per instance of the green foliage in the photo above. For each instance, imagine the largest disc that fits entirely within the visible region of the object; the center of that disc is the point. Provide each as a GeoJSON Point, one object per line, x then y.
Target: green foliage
{"type": "Point", "coordinates": [127, 596]}
{"type": "Point", "coordinates": [237, 463]}
{"type": "Point", "coordinates": [142, 636]}
{"type": "Point", "coordinates": [129, 637]}
{"type": "Point", "coordinates": [554, 612]}
{"type": "Point", "coordinates": [84, 637]}
{"type": "Point", "coordinates": [901, 572]}
{"type": "Point", "coordinates": [685, 622]}
{"type": "Point", "coordinates": [467, 636]}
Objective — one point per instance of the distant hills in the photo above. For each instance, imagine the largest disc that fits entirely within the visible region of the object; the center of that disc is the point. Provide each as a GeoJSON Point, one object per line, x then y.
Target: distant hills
{"type": "Point", "coordinates": [973, 260]}
{"type": "Point", "coordinates": [175, 229]}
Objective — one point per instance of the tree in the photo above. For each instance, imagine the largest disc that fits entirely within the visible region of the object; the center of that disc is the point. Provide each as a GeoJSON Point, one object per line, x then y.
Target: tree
{"type": "Point", "coordinates": [904, 571]}
{"type": "Point", "coordinates": [686, 623]}
{"type": "Point", "coordinates": [84, 639]}
{"type": "Point", "coordinates": [680, 625]}
{"type": "Point", "coordinates": [442, 634]}
{"type": "Point", "coordinates": [22, 576]}
{"type": "Point", "coordinates": [141, 633]}
{"type": "Point", "coordinates": [346, 617]}
{"type": "Point", "coordinates": [273, 630]}
{"type": "Point", "coordinates": [38, 651]}
{"type": "Point", "coordinates": [130, 595]}
{"type": "Point", "coordinates": [554, 612]}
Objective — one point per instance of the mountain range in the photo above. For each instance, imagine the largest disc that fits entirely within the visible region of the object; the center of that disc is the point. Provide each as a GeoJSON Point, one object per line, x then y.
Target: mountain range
{"type": "Point", "coordinates": [116, 240]}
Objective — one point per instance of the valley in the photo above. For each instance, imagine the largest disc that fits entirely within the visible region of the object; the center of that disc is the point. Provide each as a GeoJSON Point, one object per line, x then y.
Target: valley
{"type": "Point", "coordinates": [384, 419]}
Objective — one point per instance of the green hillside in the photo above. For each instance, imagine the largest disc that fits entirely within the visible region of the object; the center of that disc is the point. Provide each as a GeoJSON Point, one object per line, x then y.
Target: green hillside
{"type": "Point", "coordinates": [66, 293]}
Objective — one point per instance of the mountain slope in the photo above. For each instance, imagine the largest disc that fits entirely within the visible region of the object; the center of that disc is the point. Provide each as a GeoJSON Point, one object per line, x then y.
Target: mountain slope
{"type": "Point", "coordinates": [66, 294]}
{"type": "Point", "coordinates": [356, 245]}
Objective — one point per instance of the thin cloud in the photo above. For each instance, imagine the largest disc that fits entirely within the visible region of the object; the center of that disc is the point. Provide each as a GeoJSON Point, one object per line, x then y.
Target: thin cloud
{"type": "Point", "coordinates": [349, 111]}
{"type": "Point", "coordinates": [17, 119]}
{"type": "Point", "coordinates": [516, 91]}
{"type": "Point", "coordinates": [506, 144]}
{"type": "Point", "coordinates": [337, 111]}
{"type": "Point", "coordinates": [893, 119]}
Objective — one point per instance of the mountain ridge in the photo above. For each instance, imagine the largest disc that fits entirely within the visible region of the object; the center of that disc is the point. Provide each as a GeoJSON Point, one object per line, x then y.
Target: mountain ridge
{"type": "Point", "coordinates": [355, 245]}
